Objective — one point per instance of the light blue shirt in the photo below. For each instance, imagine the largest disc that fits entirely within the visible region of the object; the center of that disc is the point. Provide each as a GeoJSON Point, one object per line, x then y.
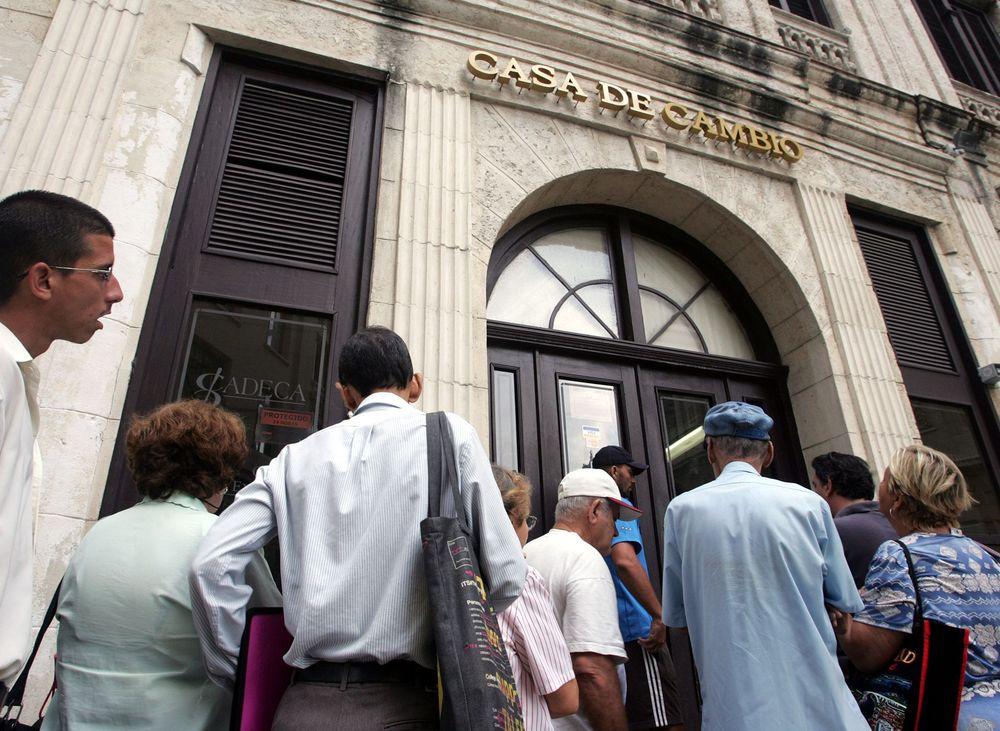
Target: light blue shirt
{"type": "Point", "coordinates": [633, 620]}
{"type": "Point", "coordinates": [127, 652]}
{"type": "Point", "coordinates": [748, 564]}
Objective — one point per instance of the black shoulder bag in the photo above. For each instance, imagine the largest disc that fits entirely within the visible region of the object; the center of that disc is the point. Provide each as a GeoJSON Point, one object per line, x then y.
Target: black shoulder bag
{"type": "Point", "coordinates": [477, 690]}
{"type": "Point", "coordinates": [14, 699]}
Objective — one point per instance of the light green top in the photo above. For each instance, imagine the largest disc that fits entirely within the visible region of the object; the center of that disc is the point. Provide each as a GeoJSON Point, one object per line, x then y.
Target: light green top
{"type": "Point", "coordinates": [128, 653]}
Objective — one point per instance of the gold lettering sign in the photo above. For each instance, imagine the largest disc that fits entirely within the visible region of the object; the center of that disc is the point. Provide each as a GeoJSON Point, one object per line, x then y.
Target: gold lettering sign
{"type": "Point", "coordinates": [637, 105]}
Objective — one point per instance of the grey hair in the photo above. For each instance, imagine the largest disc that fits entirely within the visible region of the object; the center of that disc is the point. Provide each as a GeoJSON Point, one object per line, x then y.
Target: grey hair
{"type": "Point", "coordinates": [740, 447]}
{"type": "Point", "coordinates": [570, 508]}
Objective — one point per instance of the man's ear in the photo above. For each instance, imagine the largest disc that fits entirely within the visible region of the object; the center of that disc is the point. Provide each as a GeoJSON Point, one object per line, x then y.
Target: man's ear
{"type": "Point", "coordinates": [38, 280]}
{"type": "Point", "coordinates": [349, 396]}
{"type": "Point", "coordinates": [594, 511]}
{"type": "Point", "coordinates": [769, 457]}
{"type": "Point", "coordinates": [416, 387]}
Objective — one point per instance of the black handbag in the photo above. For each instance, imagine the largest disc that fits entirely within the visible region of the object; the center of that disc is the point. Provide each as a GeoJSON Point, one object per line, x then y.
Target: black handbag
{"type": "Point", "coordinates": [921, 689]}
{"type": "Point", "coordinates": [476, 684]}
{"type": "Point", "coordinates": [13, 699]}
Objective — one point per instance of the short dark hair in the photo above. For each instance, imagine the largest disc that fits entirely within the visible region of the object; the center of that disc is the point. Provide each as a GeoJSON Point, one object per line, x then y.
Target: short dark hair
{"type": "Point", "coordinates": [850, 476]}
{"type": "Point", "coordinates": [36, 225]}
{"type": "Point", "coordinates": [186, 446]}
{"type": "Point", "coordinates": [375, 357]}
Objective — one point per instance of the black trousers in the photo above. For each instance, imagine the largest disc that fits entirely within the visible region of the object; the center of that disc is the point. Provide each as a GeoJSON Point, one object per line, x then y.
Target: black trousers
{"type": "Point", "coordinates": [357, 707]}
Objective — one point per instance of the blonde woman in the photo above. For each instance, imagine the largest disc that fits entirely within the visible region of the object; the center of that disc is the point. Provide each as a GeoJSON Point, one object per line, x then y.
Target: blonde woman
{"type": "Point", "coordinates": [538, 654]}
{"type": "Point", "coordinates": [922, 493]}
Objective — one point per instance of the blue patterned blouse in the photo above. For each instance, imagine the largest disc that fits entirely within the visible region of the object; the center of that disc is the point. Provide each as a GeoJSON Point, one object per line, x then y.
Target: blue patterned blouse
{"type": "Point", "coordinates": [959, 586]}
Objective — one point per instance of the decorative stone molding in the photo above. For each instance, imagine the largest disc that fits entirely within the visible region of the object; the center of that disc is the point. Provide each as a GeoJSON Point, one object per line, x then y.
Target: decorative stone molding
{"type": "Point", "coordinates": [53, 138]}
{"type": "Point", "coordinates": [815, 40]}
{"type": "Point", "coordinates": [434, 307]}
{"type": "Point", "coordinates": [873, 382]}
{"type": "Point", "coordinates": [703, 8]}
{"type": "Point", "coordinates": [984, 106]}
{"type": "Point", "coordinates": [983, 241]}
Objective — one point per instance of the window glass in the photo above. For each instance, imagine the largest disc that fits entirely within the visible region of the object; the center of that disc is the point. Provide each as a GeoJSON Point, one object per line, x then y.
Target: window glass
{"type": "Point", "coordinates": [681, 419]}
{"type": "Point", "coordinates": [504, 395]}
{"type": "Point", "coordinates": [563, 282]}
{"type": "Point", "coordinates": [949, 428]}
{"type": "Point", "coordinates": [588, 419]}
{"type": "Point", "coordinates": [265, 365]}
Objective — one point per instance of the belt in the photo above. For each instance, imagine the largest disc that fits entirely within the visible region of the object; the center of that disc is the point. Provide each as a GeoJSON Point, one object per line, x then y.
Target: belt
{"type": "Point", "coordinates": [396, 671]}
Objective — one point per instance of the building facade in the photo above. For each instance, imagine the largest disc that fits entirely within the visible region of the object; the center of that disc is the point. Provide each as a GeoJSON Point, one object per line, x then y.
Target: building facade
{"type": "Point", "coordinates": [589, 219]}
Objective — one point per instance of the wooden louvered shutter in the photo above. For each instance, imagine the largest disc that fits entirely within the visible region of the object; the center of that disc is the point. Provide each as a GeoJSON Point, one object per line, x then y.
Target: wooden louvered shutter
{"type": "Point", "coordinates": [282, 185]}
{"type": "Point", "coordinates": [915, 329]}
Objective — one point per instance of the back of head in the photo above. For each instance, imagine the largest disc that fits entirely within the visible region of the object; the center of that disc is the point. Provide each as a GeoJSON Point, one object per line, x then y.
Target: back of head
{"type": "Point", "coordinates": [186, 446]}
{"type": "Point", "coordinates": [374, 358]}
{"type": "Point", "coordinates": [933, 490]}
{"type": "Point", "coordinates": [39, 226]}
{"type": "Point", "coordinates": [849, 476]}
{"type": "Point", "coordinates": [515, 489]}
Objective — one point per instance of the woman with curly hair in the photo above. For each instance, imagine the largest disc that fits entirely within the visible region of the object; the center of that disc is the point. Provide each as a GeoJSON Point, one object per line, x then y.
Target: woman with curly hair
{"type": "Point", "coordinates": [922, 493]}
{"type": "Point", "coordinates": [127, 654]}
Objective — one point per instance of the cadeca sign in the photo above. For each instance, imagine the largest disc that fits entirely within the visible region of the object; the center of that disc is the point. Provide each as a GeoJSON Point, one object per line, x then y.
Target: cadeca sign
{"type": "Point", "coordinates": [638, 105]}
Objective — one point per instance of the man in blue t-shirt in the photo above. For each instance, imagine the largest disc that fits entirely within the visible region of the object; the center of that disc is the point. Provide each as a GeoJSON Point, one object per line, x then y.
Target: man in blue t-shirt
{"type": "Point", "coordinates": [651, 684]}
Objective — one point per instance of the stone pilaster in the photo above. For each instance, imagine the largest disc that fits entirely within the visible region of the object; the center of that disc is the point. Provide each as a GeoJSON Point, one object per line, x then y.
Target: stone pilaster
{"type": "Point", "coordinates": [871, 380]}
{"type": "Point", "coordinates": [63, 114]}
{"type": "Point", "coordinates": [983, 242]}
{"type": "Point", "coordinates": [432, 298]}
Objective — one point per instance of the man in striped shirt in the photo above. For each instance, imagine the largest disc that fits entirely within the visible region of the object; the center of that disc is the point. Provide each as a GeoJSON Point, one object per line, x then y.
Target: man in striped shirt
{"type": "Point", "coordinates": [346, 505]}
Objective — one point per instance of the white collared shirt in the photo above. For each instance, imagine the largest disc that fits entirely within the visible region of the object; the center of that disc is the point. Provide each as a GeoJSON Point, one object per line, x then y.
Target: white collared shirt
{"type": "Point", "coordinates": [346, 504]}
{"type": "Point", "coordinates": [128, 655]}
{"type": "Point", "coordinates": [18, 426]}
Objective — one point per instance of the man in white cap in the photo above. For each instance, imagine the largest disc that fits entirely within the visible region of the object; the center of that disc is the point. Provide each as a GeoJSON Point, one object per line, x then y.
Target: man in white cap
{"type": "Point", "coordinates": [570, 559]}
{"type": "Point", "coordinates": [749, 563]}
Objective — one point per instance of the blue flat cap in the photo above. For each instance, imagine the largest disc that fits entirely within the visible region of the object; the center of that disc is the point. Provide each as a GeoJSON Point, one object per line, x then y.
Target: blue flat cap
{"type": "Point", "coordinates": [738, 419]}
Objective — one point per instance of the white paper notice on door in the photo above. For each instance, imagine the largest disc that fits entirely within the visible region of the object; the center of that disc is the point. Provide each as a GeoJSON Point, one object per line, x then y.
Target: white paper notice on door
{"type": "Point", "coordinates": [592, 436]}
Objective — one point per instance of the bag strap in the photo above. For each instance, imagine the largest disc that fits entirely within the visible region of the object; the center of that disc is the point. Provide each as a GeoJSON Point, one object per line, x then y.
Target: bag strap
{"type": "Point", "coordinates": [442, 473]}
{"type": "Point", "coordinates": [15, 696]}
{"type": "Point", "coordinates": [918, 609]}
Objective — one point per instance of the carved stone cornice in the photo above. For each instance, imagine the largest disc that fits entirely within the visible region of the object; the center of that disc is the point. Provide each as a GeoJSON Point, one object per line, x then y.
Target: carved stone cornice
{"type": "Point", "coordinates": [985, 106]}
{"type": "Point", "coordinates": [815, 40]}
{"type": "Point", "coordinates": [703, 8]}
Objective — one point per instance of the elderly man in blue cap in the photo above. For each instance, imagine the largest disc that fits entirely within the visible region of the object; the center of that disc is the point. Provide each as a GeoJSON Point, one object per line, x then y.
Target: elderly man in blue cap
{"type": "Point", "coordinates": [749, 565]}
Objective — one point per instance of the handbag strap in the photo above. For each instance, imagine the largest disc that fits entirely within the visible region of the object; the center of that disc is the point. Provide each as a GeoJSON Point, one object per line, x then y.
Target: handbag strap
{"type": "Point", "coordinates": [918, 609]}
{"type": "Point", "coordinates": [15, 696]}
{"type": "Point", "coordinates": [441, 471]}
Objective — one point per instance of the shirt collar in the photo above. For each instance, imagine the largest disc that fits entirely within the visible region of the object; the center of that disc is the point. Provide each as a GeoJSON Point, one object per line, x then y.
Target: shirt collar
{"type": "Point", "coordinates": [14, 347]}
{"type": "Point", "coordinates": [181, 499]}
{"type": "Point", "coordinates": [865, 506]}
{"type": "Point", "coordinates": [381, 399]}
{"type": "Point", "coordinates": [738, 467]}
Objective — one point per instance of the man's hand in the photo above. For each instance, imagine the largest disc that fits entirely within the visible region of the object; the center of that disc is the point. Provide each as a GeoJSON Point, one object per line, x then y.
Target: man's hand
{"type": "Point", "coordinates": [657, 636]}
{"type": "Point", "coordinates": [840, 620]}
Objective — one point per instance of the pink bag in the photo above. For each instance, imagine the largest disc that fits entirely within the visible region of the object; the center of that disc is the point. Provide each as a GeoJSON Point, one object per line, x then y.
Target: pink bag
{"type": "Point", "coordinates": [261, 674]}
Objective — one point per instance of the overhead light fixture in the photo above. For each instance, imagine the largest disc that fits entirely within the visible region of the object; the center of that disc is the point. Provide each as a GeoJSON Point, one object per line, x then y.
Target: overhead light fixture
{"type": "Point", "coordinates": [990, 374]}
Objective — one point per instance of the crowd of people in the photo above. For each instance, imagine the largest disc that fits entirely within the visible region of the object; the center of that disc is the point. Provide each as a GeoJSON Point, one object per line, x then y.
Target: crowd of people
{"type": "Point", "coordinates": [783, 592]}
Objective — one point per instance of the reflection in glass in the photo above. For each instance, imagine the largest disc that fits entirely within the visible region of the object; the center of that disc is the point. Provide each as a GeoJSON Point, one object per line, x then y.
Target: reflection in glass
{"type": "Point", "coordinates": [561, 282]}
{"type": "Point", "coordinates": [950, 429]}
{"type": "Point", "coordinates": [681, 419]}
{"type": "Point", "coordinates": [505, 419]}
{"type": "Point", "coordinates": [588, 420]}
{"type": "Point", "coordinates": [266, 365]}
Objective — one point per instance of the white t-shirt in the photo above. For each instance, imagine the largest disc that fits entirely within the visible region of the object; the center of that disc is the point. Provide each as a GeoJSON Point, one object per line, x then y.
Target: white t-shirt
{"type": "Point", "coordinates": [583, 596]}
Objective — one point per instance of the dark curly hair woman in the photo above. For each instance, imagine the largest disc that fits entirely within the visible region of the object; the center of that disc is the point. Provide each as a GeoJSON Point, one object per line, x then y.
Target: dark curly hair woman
{"type": "Point", "coordinates": [127, 652]}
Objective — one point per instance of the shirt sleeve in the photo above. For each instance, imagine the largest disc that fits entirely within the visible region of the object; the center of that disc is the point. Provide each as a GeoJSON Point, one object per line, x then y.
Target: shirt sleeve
{"type": "Point", "coordinates": [839, 589]}
{"type": "Point", "coordinates": [538, 641]}
{"type": "Point", "coordinates": [220, 587]}
{"type": "Point", "coordinates": [590, 620]}
{"type": "Point", "coordinates": [673, 592]}
{"type": "Point", "coordinates": [628, 532]}
{"type": "Point", "coordinates": [500, 558]}
{"type": "Point", "coordinates": [888, 592]}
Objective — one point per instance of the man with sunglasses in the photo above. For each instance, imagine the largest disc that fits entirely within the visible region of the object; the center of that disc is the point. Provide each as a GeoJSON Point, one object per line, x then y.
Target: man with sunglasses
{"type": "Point", "coordinates": [56, 255]}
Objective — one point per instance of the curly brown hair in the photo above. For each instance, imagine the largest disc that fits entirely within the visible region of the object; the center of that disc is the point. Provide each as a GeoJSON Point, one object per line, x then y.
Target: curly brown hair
{"type": "Point", "coordinates": [186, 446]}
{"type": "Point", "coordinates": [515, 489]}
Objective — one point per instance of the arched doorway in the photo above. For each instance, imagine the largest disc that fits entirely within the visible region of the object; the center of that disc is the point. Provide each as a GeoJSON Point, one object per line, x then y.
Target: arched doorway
{"type": "Point", "coordinates": [606, 326]}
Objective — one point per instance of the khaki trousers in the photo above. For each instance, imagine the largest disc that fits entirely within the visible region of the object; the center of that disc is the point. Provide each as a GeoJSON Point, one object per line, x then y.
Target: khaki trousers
{"type": "Point", "coordinates": [357, 707]}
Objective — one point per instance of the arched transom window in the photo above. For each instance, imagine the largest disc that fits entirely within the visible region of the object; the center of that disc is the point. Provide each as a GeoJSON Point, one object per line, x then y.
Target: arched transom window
{"type": "Point", "coordinates": [571, 280]}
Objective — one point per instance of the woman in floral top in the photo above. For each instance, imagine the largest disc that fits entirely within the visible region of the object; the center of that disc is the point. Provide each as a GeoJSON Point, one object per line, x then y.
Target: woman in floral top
{"type": "Point", "coordinates": [922, 493]}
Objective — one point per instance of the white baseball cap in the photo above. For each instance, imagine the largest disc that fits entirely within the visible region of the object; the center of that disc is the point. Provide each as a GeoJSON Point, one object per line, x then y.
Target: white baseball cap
{"type": "Point", "coordinates": [588, 482]}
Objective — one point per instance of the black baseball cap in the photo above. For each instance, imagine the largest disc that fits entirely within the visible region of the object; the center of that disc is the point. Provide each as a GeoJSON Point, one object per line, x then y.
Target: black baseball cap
{"type": "Point", "coordinates": [614, 455]}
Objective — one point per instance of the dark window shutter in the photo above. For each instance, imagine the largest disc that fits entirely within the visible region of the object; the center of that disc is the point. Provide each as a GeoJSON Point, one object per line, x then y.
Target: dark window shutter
{"type": "Point", "coordinates": [914, 328]}
{"type": "Point", "coordinates": [965, 40]}
{"type": "Point", "coordinates": [985, 46]}
{"type": "Point", "coordinates": [810, 9]}
{"type": "Point", "coordinates": [283, 180]}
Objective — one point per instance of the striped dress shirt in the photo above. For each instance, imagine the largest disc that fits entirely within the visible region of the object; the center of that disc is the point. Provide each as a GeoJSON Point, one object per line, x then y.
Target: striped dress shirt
{"type": "Point", "coordinates": [538, 654]}
{"type": "Point", "coordinates": [346, 504]}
